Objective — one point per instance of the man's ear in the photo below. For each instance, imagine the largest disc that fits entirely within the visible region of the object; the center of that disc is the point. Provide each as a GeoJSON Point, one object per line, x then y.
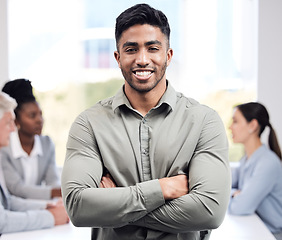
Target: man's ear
{"type": "Point", "coordinates": [169, 56]}
{"type": "Point", "coordinates": [117, 57]}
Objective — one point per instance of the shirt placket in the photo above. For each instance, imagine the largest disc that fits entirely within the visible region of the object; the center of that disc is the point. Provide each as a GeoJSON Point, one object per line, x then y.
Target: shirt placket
{"type": "Point", "coordinates": [144, 149]}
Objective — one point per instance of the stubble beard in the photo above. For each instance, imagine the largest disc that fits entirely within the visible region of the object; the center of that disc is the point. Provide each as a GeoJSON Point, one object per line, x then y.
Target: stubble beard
{"type": "Point", "coordinates": [141, 89]}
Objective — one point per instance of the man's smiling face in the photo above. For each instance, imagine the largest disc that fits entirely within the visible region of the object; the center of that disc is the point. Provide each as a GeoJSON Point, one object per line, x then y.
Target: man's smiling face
{"type": "Point", "coordinates": [143, 57]}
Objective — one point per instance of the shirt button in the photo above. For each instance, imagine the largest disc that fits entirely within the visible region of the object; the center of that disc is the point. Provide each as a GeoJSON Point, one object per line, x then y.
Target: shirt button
{"type": "Point", "coordinates": [145, 152]}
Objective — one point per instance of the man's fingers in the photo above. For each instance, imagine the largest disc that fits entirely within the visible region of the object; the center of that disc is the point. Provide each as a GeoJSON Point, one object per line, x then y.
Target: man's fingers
{"type": "Point", "coordinates": [107, 182]}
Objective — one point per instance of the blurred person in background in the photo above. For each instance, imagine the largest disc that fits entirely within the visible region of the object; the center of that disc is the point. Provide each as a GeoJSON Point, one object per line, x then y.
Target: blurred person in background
{"type": "Point", "coordinates": [257, 182]}
{"type": "Point", "coordinates": [18, 214]}
{"type": "Point", "coordinates": [29, 161]}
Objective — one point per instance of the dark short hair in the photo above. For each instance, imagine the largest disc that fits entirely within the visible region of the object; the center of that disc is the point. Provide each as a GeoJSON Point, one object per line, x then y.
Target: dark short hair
{"type": "Point", "coordinates": [141, 14]}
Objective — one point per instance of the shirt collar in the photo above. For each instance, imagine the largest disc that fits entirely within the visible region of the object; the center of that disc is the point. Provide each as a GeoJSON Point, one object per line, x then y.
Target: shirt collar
{"type": "Point", "coordinates": [17, 150]}
{"type": "Point", "coordinates": [169, 98]}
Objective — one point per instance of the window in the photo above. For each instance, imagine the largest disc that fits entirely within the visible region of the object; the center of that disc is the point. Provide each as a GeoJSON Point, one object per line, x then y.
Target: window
{"type": "Point", "coordinates": [66, 49]}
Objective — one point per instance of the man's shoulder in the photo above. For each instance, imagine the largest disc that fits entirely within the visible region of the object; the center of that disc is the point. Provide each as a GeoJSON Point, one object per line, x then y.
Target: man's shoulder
{"type": "Point", "coordinates": [192, 104]}
{"type": "Point", "coordinates": [99, 109]}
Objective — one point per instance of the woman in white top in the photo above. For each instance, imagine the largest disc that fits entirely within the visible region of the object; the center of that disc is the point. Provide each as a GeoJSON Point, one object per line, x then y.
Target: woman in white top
{"type": "Point", "coordinates": [17, 214]}
{"type": "Point", "coordinates": [29, 161]}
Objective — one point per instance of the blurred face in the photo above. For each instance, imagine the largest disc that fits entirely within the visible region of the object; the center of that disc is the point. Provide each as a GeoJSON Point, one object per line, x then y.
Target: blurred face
{"type": "Point", "coordinates": [29, 120]}
{"type": "Point", "coordinates": [143, 57]}
{"type": "Point", "coordinates": [240, 128]}
{"type": "Point", "coordinates": [7, 126]}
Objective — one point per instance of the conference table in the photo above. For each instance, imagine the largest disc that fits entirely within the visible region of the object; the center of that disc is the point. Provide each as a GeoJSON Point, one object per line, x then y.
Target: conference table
{"type": "Point", "coordinates": [249, 227]}
{"type": "Point", "coordinates": [233, 228]}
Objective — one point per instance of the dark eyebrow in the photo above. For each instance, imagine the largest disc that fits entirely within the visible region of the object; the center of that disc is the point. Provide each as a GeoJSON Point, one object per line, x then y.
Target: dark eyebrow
{"type": "Point", "coordinates": [153, 42]}
{"type": "Point", "coordinates": [134, 44]}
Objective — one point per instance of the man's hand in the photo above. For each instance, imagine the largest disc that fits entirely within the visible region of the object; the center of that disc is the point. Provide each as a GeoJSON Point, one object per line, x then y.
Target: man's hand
{"type": "Point", "coordinates": [107, 182]}
{"type": "Point", "coordinates": [59, 213]}
{"type": "Point", "coordinates": [174, 187]}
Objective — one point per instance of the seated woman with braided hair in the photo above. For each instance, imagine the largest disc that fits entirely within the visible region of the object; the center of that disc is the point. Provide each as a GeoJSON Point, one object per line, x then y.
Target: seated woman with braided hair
{"type": "Point", "coordinates": [18, 214]}
{"type": "Point", "coordinates": [257, 182]}
{"type": "Point", "coordinates": [29, 161]}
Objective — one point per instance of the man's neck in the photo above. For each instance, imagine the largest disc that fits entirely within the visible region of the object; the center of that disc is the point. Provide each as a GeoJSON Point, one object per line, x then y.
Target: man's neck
{"type": "Point", "coordinates": [144, 102]}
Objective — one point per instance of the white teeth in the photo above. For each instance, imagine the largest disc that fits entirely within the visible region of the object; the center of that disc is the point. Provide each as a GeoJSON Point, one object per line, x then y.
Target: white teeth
{"type": "Point", "coordinates": [145, 73]}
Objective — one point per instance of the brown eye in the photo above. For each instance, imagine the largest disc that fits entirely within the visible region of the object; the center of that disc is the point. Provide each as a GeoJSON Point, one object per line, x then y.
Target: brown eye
{"type": "Point", "coordinates": [153, 49]}
{"type": "Point", "coordinates": [32, 115]}
{"type": "Point", "coordinates": [130, 50]}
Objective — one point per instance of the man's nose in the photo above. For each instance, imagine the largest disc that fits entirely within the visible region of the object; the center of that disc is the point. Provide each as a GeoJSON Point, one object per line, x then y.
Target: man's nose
{"type": "Point", "coordinates": [142, 58]}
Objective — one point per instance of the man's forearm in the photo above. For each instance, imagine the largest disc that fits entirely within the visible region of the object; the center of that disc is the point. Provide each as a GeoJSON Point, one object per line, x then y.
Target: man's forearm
{"type": "Point", "coordinates": [191, 212]}
{"type": "Point", "coordinates": [172, 187]}
{"type": "Point", "coordinates": [112, 207]}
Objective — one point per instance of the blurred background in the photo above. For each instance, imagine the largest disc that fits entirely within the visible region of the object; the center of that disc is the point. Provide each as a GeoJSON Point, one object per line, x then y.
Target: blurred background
{"type": "Point", "coordinates": [65, 48]}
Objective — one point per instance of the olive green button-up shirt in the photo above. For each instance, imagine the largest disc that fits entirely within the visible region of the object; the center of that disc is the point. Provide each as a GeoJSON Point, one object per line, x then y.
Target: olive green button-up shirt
{"type": "Point", "coordinates": [177, 136]}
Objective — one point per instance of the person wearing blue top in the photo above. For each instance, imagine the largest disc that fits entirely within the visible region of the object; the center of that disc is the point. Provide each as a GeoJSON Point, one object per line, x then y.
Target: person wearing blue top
{"type": "Point", "coordinates": [257, 182]}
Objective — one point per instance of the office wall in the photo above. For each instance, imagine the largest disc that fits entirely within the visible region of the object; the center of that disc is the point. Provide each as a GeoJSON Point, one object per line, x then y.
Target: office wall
{"type": "Point", "coordinates": [3, 42]}
{"type": "Point", "coordinates": [270, 60]}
